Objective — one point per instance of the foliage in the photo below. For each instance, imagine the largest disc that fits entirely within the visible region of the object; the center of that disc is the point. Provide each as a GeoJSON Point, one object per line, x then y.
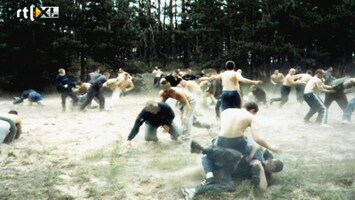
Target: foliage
{"type": "Point", "coordinates": [127, 32]}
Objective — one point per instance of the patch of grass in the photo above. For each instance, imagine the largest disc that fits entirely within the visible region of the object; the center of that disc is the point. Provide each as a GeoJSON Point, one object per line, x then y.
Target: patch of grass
{"type": "Point", "coordinates": [95, 155]}
{"type": "Point", "coordinates": [327, 181]}
{"type": "Point", "coordinates": [170, 163]}
{"type": "Point", "coordinates": [50, 176]}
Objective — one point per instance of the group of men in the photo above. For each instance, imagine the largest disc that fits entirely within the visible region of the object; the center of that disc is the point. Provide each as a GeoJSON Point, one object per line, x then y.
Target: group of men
{"type": "Point", "coordinates": [307, 89]}
{"type": "Point", "coordinates": [93, 89]}
{"type": "Point", "coordinates": [234, 120]}
{"type": "Point", "coordinates": [232, 155]}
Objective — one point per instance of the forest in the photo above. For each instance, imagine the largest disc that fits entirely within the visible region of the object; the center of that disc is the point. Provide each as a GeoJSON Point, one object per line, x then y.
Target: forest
{"type": "Point", "coordinates": [259, 35]}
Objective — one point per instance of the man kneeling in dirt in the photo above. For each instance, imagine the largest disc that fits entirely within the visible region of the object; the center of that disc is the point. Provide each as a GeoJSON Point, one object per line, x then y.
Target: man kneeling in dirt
{"type": "Point", "coordinates": [155, 114]}
{"type": "Point", "coordinates": [231, 167]}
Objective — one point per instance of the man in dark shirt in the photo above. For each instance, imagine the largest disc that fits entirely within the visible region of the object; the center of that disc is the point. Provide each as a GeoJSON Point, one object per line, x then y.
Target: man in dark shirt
{"type": "Point", "coordinates": [65, 87]}
{"type": "Point", "coordinates": [95, 91]}
{"type": "Point", "coordinates": [259, 94]}
{"type": "Point", "coordinates": [174, 78]}
{"type": "Point", "coordinates": [189, 76]}
{"type": "Point", "coordinates": [341, 87]}
{"type": "Point", "coordinates": [155, 114]}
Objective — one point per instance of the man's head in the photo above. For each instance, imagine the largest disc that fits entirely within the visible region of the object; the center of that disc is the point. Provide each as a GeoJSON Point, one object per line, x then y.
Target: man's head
{"type": "Point", "coordinates": [276, 71]}
{"type": "Point", "coordinates": [107, 75]}
{"type": "Point", "coordinates": [176, 73]}
{"type": "Point", "coordinates": [319, 73]}
{"type": "Point", "coordinates": [152, 107]}
{"type": "Point", "coordinates": [230, 65]}
{"type": "Point", "coordinates": [164, 84]}
{"type": "Point", "coordinates": [120, 70]}
{"type": "Point", "coordinates": [253, 88]}
{"type": "Point", "coordinates": [309, 72]}
{"type": "Point", "coordinates": [61, 72]}
{"type": "Point", "coordinates": [292, 71]}
{"type": "Point", "coordinates": [14, 112]}
{"type": "Point", "coordinates": [274, 165]}
{"type": "Point", "coordinates": [252, 107]}
{"type": "Point", "coordinates": [183, 83]}
{"type": "Point", "coordinates": [126, 76]}
{"type": "Point", "coordinates": [330, 69]}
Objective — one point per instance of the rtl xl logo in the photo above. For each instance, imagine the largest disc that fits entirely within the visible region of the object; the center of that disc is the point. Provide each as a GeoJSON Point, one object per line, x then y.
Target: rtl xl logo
{"type": "Point", "coordinates": [38, 12]}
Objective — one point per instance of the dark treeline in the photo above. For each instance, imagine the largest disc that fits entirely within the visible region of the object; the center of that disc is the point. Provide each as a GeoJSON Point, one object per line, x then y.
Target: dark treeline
{"type": "Point", "coordinates": [260, 35]}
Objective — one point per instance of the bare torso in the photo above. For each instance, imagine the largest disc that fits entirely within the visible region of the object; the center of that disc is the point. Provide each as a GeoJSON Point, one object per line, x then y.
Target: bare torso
{"type": "Point", "coordinates": [234, 122]}
{"type": "Point", "coordinates": [230, 81]}
{"type": "Point", "coordinates": [176, 93]}
{"type": "Point", "coordinates": [277, 78]}
{"type": "Point", "coordinates": [303, 77]}
{"type": "Point", "coordinates": [124, 84]}
{"type": "Point", "coordinates": [289, 80]}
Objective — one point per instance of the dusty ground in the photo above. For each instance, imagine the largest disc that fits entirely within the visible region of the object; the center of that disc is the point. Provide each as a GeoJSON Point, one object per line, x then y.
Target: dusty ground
{"type": "Point", "coordinates": [76, 155]}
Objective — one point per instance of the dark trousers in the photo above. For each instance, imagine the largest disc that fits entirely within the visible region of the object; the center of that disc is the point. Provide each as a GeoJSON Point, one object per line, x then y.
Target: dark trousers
{"type": "Point", "coordinates": [316, 106]}
{"type": "Point", "coordinates": [72, 95]}
{"type": "Point", "coordinates": [300, 92]}
{"type": "Point", "coordinates": [156, 81]}
{"type": "Point", "coordinates": [226, 162]}
{"type": "Point", "coordinates": [285, 91]}
{"type": "Point", "coordinates": [92, 93]}
{"type": "Point", "coordinates": [338, 97]}
{"type": "Point", "coordinates": [217, 108]}
{"type": "Point", "coordinates": [230, 99]}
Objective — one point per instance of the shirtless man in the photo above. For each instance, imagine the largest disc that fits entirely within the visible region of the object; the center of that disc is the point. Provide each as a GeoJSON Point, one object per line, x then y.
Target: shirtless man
{"type": "Point", "coordinates": [15, 129]}
{"type": "Point", "coordinates": [231, 89]}
{"type": "Point", "coordinates": [187, 104]}
{"type": "Point", "coordinates": [122, 73]}
{"type": "Point", "coordinates": [234, 122]}
{"type": "Point", "coordinates": [276, 80]}
{"type": "Point", "coordinates": [286, 87]}
{"type": "Point", "coordinates": [314, 85]}
{"type": "Point", "coordinates": [118, 86]}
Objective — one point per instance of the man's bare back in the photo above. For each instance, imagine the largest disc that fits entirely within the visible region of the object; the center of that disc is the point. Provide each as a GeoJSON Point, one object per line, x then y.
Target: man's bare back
{"type": "Point", "coordinates": [234, 122]}
{"type": "Point", "coordinates": [230, 81]}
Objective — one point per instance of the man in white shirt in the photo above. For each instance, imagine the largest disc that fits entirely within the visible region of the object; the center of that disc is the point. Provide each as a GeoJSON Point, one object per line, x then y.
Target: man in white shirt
{"type": "Point", "coordinates": [313, 100]}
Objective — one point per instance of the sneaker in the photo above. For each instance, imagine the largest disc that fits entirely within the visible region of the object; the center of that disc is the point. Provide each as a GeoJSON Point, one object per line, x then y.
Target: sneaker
{"type": "Point", "coordinates": [345, 121]}
{"type": "Point", "coordinates": [208, 181]}
{"type": "Point", "coordinates": [188, 193]}
{"type": "Point", "coordinates": [255, 175]}
{"type": "Point", "coordinates": [195, 147]}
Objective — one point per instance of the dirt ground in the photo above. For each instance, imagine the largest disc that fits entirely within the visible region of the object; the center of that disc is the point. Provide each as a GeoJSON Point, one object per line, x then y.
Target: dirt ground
{"type": "Point", "coordinates": [76, 155]}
